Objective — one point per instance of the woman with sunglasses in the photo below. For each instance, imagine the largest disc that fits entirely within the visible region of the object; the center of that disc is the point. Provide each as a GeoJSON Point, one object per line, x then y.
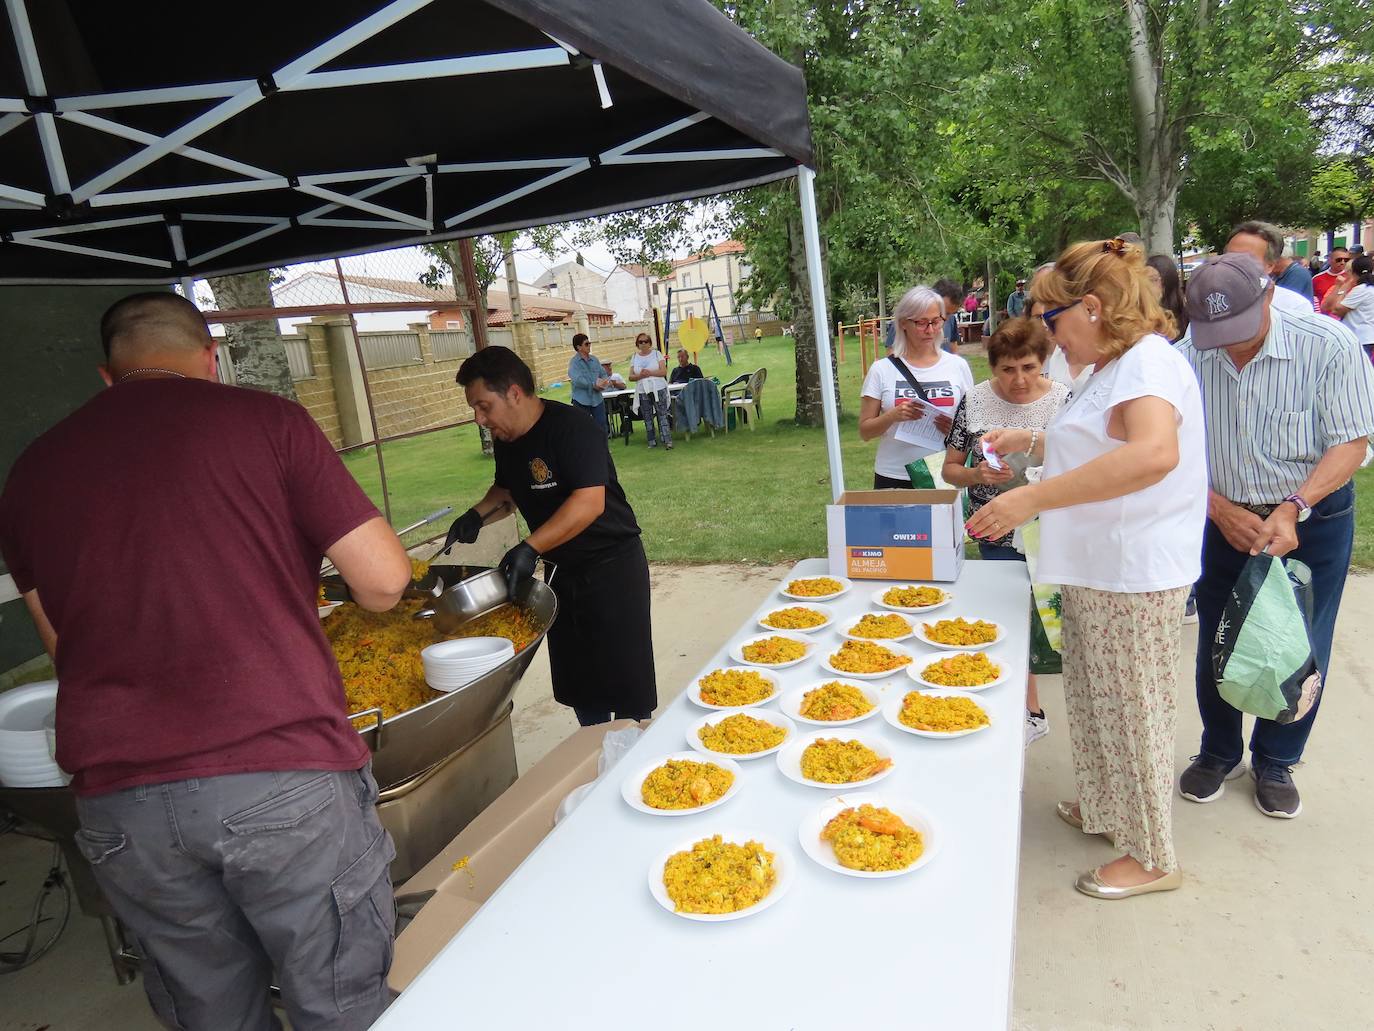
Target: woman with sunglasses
{"type": "Point", "coordinates": [1122, 503]}
{"type": "Point", "coordinates": [917, 371]}
{"type": "Point", "coordinates": [1352, 301]}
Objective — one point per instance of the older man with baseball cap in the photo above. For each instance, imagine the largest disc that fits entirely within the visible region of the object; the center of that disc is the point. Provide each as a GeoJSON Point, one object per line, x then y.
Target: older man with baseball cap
{"type": "Point", "coordinates": [1289, 400]}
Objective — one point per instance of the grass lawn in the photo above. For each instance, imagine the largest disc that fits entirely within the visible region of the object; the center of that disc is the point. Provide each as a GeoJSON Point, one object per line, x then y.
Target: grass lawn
{"type": "Point", "coordinates": [746, 496]}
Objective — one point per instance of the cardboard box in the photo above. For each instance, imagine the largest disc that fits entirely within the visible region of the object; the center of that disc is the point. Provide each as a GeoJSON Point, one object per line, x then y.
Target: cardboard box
{"type": "Point", "coordinates": [896, 535]}
{"type": "Point", "coordinates": [495, 843]}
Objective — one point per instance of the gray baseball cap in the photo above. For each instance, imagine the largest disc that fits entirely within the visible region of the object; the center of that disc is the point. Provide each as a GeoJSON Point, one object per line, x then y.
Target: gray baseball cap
{"type": "Point", "coordinates": [1225, 301]}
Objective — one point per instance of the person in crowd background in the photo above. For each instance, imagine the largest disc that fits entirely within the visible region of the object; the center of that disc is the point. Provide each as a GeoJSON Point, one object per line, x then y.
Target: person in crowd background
{"type": "Point", "coordinates": [952, 299]}
{"type": "Point", "coordinates": [1330, 275]}
{"type": "Point", "coordinates": [588, 381]}
{"type": "Point", "coordinates": [1017, 396]}
{"type": "Point", "coordinates": [890, 390]}
{"type": "Point", "coordinates": [613, 378]}
{"type": "Point", "coordinates": [1162, 273]}
{"type": "Point", "coordinates": [1016, 303]}
{"type": "Point", "coordinates": [1290, 405]}
{"type": "Point", "coordinates": [1352, 301]}
{"type": "Point", "coordinates": [1265, 243]}
{"type": "Point", "coordinates": [685, 369]}
{"type": "Point", "coordinates": [1122, 500]}
{"type": "Point", "coordinates": [649, 371]}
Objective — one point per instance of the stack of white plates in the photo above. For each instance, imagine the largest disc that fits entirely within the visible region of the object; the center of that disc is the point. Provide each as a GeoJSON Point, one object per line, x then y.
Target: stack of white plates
{"type": "Point", "coordinates": [450, 665]}
{"type": "Point", "coordinates": [27, 741]}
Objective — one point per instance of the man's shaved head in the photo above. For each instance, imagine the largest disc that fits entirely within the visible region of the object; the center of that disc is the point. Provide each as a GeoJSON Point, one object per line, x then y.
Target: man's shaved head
{"type": "Point", "coordinates": [151, 323]}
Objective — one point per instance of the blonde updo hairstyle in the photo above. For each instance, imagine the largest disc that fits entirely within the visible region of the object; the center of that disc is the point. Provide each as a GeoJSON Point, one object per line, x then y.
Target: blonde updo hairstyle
{"type": "Point", "coordinates": [1113, 271]}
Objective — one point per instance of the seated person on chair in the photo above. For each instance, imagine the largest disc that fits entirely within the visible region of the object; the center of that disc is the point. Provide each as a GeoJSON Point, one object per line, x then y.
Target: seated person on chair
{"type": "Point", "coordinates": [617, 380]}
{"type": "Point", "coordinates": [685, 370]}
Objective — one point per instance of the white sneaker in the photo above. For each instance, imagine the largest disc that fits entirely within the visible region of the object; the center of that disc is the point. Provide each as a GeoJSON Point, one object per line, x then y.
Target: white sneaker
{"type": "Point", "coordinates": [1036, 728]}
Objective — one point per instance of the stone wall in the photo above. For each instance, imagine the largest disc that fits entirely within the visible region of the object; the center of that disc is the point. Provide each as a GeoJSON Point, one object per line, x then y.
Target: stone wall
{"type": "Point", "coordinates": [418, 397]}
{"type": "Point", "coordinates": [316, 392]}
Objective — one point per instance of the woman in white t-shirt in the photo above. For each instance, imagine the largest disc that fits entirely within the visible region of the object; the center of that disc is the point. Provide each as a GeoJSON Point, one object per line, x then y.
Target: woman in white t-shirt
{"type": "Point", "coordinates": [648, 372]}
{"type": "Point", "coordinates": [1354, 305]}
{"type": "Point", "coordinates": [1122, 503]}
{"type": "Point", "coordinates": [890, 399]}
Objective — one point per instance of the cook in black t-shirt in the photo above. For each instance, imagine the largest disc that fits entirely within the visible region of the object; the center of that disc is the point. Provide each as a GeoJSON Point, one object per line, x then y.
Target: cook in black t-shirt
{"type": "Point", "coordinates": [552, 463]}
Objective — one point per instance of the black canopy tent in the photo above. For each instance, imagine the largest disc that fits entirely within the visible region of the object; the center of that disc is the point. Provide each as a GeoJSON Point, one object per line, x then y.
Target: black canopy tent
{"type": "Point", "coordinates": [140, 144]}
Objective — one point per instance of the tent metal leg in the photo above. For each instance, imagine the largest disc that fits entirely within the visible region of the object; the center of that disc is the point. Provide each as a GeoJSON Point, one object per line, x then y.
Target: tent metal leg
{"type": "Point", "coordinates": [806, 182]}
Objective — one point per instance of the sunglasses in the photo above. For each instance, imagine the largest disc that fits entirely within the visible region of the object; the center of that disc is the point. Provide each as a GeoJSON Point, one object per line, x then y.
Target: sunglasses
{"type": "Point", "coordinates": [1339, 261]}
{"type": "Point", "coordinates": [1050, 317]}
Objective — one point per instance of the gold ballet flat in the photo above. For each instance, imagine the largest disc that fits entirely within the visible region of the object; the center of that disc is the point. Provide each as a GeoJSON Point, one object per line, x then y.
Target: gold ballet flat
{"type": "Point", "coordinates": [1091, 884]}
{"type": "Point", "coordinates": [1067, 814]}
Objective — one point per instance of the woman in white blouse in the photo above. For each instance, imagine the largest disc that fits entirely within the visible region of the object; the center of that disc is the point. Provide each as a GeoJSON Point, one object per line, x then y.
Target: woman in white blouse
{"type": "Point", "coordinates": [1122, 502]}
{"type": "Point", "coordinates": [649, 371]}
{"type": "Point", "coordinates": [895, 386]}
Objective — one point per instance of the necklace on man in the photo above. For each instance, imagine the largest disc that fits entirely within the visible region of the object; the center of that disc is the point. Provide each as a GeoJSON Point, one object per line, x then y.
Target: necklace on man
{"type": "Point", "coordinates": [135, 372]}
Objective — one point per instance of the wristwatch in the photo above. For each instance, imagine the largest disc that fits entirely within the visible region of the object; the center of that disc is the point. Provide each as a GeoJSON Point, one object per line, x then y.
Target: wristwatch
{"type": "Point", "coordinates": [1304, 509]}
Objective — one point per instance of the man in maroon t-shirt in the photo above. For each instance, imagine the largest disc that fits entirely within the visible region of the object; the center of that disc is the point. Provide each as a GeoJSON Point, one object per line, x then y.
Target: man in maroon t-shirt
{"type": "Point", "coordinates": [167, 538]}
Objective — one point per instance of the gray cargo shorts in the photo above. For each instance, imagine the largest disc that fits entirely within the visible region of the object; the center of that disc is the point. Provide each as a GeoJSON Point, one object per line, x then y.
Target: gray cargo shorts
{"type": "Point", "coordinates": [226, 882]}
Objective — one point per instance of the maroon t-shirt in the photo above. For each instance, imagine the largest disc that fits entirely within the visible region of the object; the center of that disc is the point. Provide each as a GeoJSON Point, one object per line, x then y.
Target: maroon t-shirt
{"type": "Point", "coordinates": [174, 531]}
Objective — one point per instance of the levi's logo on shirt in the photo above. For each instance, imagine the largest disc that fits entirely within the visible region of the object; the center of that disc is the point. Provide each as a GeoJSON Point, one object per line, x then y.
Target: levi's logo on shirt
{"type": "Point", "coordinates": [940, 394]}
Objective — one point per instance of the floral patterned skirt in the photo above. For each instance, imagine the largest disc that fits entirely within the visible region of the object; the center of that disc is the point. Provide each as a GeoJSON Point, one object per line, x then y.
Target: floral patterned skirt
{"type": "Point", "coordinates": [1121, 662]}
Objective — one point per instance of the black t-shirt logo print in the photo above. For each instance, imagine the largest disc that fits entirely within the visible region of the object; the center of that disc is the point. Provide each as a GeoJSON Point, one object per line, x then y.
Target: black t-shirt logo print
{"type": "Point", "coordinates": [539, 471]}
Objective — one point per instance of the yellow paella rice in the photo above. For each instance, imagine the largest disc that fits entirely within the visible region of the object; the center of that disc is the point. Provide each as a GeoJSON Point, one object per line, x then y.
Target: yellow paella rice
{"type": "Point", "coordinates": [419, 569]}
{"type": "Point", "coordinates": [379, 652]}
{"type": "Point", "coordinates": [684, 784]}
{"type": "Point", "coordinates": [741, 734]}
{"type": "Point", "coordinates": [718, 876]}
{"type": "Point", "coordinates": [941, 715]}
{"type": "Point", "coordinates": [795, 617]}
{"type": "Point", "coordinates": [881, 627]}
{"type": "Point", "coordinates": [735, 687]}
{"type": "Point", "coordinates": [967, 669]}
{"type": "Point", "coordinates": [866, 657]}
{"type": "Point", "coordinates": [815, 587]}
{"type": "Point", "coordinates": [913, 597]}
{"type": "Point", "coordinates": [773, 650]}
{"type": "Point", "coordinates": [960, 631]}
{"type": "Point", "coordinates": [834, 701]}
{"type": "Point", "coordinates": [829, 760]}
{"type": "Point", "coordinates": [873, 838]}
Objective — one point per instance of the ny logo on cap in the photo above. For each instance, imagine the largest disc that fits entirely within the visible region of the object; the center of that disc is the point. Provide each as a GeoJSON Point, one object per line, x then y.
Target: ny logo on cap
{"type": "Point", "coordinates": [1218, 304]}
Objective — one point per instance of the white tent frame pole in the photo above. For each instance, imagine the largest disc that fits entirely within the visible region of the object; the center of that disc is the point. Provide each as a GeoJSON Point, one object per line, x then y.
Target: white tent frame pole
{"type": "Point", "coordinates": [128, 132]}
{"type": "Point", "coordinates": [327, 51]}
{"type": "Point", "coordinates": [481, 209]}
{"type": "Point", "coordinates": [11, 121]}
{"type": "Point", "coordinates": [693, 155]}
{"type": "Point", "coordinates": [811, 235]}
{"type": "Point", "coordinates": [482, 64]}
{"type": "Point", "coordinates": [55, 245]}
{"type": "Point", "coordinates": [33, 82]}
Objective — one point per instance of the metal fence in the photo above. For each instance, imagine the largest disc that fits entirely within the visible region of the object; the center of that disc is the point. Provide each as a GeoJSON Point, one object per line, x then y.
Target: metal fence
{"type": "Point", "coordinates": [298, 357]}
{"type": "Point", "coordinates": [448, 344]}
{"type": "Point", "coordinates": [390, 350]}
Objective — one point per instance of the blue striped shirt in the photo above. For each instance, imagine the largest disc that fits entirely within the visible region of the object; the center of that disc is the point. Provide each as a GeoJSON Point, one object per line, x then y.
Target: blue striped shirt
{"type": "Point", "coordinates": [1309, 389]}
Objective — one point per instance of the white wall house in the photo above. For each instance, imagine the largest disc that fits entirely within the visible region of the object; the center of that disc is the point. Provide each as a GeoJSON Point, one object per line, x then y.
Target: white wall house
{"type": "Point", "coordinates": [316, 288]}
{"type": "Point", "coordinates": [574, 282]}
{"type": "Point", "coordinates": [628, 292]}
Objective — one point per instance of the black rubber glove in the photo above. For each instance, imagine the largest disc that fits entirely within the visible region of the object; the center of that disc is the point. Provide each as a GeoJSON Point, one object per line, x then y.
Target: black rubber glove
{"type": "Point", "coordinates": [518, 566]}
{"type": "Point", "coordinates": [464, 529]}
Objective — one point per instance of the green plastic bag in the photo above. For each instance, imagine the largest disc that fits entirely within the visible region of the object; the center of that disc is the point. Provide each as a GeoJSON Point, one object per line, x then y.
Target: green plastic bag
{"type": "Point", "coordinates": [921, 476]}
{"type": "Point", "coordinates": [1047, 624]}
{"type": "Point", "coordinates": [1262, 654]}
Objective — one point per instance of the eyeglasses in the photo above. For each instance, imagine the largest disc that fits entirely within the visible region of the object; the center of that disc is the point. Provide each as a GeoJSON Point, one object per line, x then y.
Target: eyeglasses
{"type": "Point", "coordinates": [926, 324]}
{"type": "Point", "coordinates": [1050, 317]}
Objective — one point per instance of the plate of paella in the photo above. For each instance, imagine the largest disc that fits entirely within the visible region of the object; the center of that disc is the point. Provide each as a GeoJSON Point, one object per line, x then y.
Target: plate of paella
{"type": "Point", "coordinates": [912, 598]}
{"type": "Point", "coordinates": [866, 660]}
{"type": "Point", "coordinates": [750, 734]}
{"type": "Point", "coordinates": [723, 876]}
{"type": "Point", "coordinates": [877, 626]}
{"type": "Point", "coordinates": [868, 835]}
{"type": "Point", "coordinates": [842, 761]}
{"type": "Point", "coordinates": [940, 714]}
{"type": "Point", "coordinates": [733, 687]}
{"type": "Point", "coordinates": [831, 703]}
{"type": "Point", "coordinates": [960, 634]}
{"type": "Point", "coordinates": [777, 650]}
{"type": "Point", "coordinates": [814, 588]}
{"type": "Point", "coordinates": [681, 784]}
{"type": "Point", "coordinates": [960, 671]}
{"type": "Point", "coordinates": [797, 619]}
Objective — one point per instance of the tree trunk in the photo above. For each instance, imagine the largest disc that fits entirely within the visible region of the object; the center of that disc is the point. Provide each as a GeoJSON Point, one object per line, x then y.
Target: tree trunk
{"type": "Point", "coordinates": [256, 347]}
{"type": "Point", "coordinates": [1156, 186]}
{"type": "Point", "coordinates": [460, 290]}
{"type": "Point", "coordinates": [809, 410]}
